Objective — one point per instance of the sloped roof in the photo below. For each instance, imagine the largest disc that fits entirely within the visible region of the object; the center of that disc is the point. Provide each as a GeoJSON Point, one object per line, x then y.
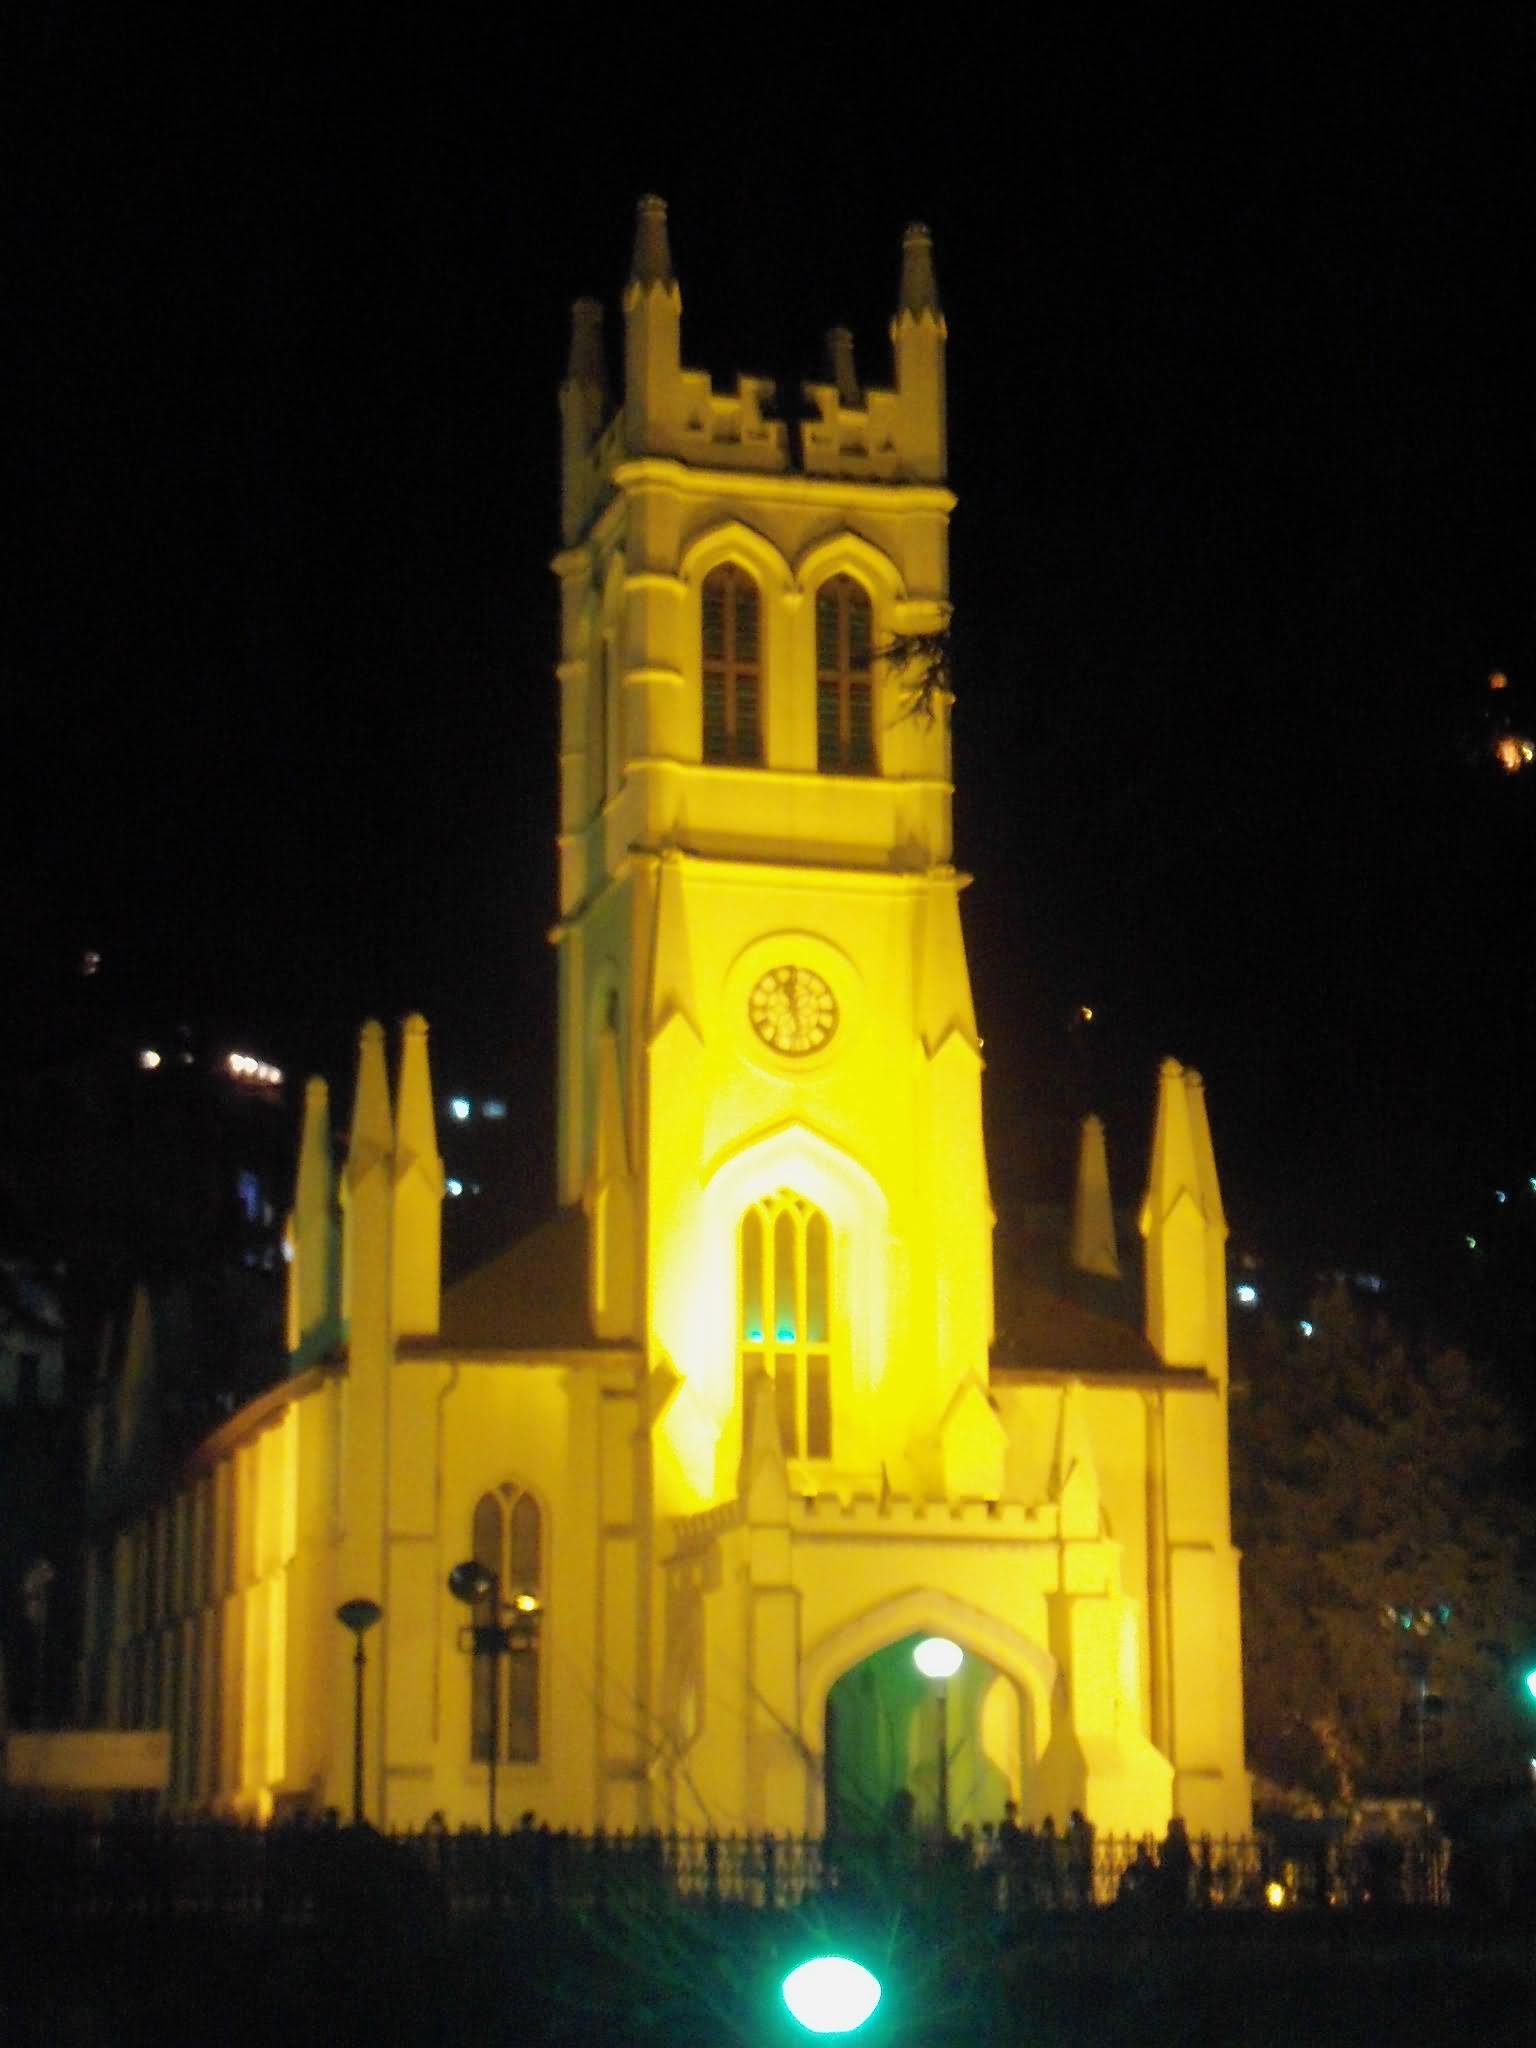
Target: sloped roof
{"type": "Point", "coordinates": [1047, 1332]}
{"type": "Point", "coordinates": [531, 1296]}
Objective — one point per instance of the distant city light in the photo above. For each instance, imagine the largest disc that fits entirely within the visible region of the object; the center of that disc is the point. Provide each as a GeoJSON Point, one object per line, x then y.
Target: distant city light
{"type": "Point", "coordinates": [460, 1108]}
{"type": "Point", "coordinates": [1370, 1283]}
{"type": "Point", "coordinates": [1305, 1327]}
{"type": "Point", "coordinates": [454, 1187]}
{"type": "Point", "coordinates": [1470, 1241]}
{"type": "Point", "coordinates": [90, 963]}
{"type": "Point", "coordinates": [1513, 751]}
{"type": "Point", "coordinates": [1274, 1893]}
{"type": "Point", "coordinates": [1498, 680]}
{"type": "Point", "coordinates": [149, 1059]}
{"type": "Point", "coordinates": [1531, 1183]}
{"type": "Point", "coordinates": [1247, 1294]}
{"type": "Point", "coordinates": [493, 1109]}
{"type": "Point", "coordinates": [1500, 1195]}
{"type": "Point", "coordinates": [254, 1072]}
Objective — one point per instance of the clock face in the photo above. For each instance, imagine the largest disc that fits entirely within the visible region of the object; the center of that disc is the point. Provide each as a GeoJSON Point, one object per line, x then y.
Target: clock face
{"type": "Point", "coordinates": [792, 1010]}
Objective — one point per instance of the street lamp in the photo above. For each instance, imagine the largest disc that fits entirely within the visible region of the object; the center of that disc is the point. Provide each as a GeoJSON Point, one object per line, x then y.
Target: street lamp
{"type": "Point", "coordinates": [359, 1616]}
{"type": "Point", "coordinates": [831, 1994]}
{"type": "Point", "coordinates": [938, 1658]}
{"type": "Point", "coordinates": [513, 1626]}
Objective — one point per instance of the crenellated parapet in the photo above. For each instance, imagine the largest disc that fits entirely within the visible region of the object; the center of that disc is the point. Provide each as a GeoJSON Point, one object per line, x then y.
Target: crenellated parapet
{"type": "Point", "coordinates": [884, 435]}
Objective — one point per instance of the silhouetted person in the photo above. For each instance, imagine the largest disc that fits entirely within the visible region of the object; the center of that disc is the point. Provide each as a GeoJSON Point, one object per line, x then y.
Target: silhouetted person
{"type": "Point", "coordinates": [1176, 1862]}
{"type": "Point", "coordinates": [1011, 1857]}
{"type": "Point", "coordinates": [1138, 1881]}
{"type": "Point", "coordinates": [1048, 1863]}
{"type": "Point", "coordinates": [1079, 1860]}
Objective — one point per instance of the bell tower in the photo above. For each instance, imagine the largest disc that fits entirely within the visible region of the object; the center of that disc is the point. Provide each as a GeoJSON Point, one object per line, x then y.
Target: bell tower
{"type": "Point", "coordinates": [769, 1065]}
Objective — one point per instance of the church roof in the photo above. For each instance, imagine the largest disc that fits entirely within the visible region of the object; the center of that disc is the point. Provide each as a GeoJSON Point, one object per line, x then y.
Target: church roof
{"type": "Point", "coordinates": [1046, 1332]}
{"type": "Point", "coordinates": [532, 1295]}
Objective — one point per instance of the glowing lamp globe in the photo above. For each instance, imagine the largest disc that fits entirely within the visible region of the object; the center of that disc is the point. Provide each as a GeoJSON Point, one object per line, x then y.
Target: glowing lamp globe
{"type": "Point", "coordinates": [938, 1657]}
{"type": "Point", "coordinates": [831, 1994]}
{"type": "Point", "coordinates": [1530, 1682]}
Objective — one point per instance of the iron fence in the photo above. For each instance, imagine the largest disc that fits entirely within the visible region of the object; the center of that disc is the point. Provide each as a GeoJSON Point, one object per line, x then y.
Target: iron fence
{"type": "Point", "coordinates": [65, 1869]}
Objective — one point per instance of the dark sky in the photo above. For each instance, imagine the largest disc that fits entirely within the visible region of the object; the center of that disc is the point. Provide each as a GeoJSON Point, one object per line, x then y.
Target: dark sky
{"type": "Point", "coordinates": [1241, 424]}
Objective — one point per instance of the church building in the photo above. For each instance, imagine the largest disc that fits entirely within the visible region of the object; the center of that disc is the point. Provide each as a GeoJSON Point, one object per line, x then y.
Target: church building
{"type": "Point", "coordinates": [726, 1438]}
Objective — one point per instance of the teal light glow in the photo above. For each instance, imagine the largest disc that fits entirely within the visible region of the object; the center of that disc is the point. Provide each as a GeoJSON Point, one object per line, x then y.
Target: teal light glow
{"type": "Point", "coordinates": [1530, 1683]}
{"type": "Point", "coordinates": [754, 1336]}
{"type": "Point", "coordinates": [785, 1336]}
{"type": "Point", "coordinates": [831, 1994]}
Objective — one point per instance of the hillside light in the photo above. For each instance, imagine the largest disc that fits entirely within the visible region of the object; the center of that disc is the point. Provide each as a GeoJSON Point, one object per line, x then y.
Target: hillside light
{"type": "Point", "coordinates": [831, 1994]}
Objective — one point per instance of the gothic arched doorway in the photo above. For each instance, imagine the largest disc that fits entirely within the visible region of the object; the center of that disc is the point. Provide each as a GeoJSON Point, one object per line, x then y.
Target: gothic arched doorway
{"type": "Point", "coordinates": [883, 1736]}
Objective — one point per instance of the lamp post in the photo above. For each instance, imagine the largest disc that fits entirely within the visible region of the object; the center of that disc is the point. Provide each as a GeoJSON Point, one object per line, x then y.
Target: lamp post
{"type": "Point", "coordinates": [938, 1658]}
{"type": "Point", "coordinates": [1420, 1625]}
{"type": "Point", "coordinates": [513, 1626]}
{"type": "Point", "coordinates": [358, 1616]}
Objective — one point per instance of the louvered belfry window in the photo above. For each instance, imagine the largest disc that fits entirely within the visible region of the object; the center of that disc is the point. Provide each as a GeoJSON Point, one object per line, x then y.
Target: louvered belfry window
{"type": "Point", "coordinates": [845, 721]}
{"type": "Point", "coordinates": [731, 667]}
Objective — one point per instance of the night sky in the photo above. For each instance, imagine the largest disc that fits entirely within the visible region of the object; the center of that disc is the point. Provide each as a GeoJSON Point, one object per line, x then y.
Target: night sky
{"type": "Point", "coordinates": [1241, 425]}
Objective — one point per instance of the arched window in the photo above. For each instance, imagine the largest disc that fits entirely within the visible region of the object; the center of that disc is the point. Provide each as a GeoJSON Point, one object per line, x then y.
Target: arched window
{"type": "Point", "coordinates": [785, 1299]}
{"type": "Point", "coordinates": [508, 1540]}
{"type": "Point", "coordinates": [731, 672]}
{"type": "Point", "coordinates": [845, 716]}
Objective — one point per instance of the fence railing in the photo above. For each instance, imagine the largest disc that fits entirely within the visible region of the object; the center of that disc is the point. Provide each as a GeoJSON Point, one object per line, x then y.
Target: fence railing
{"type": "Point", "coordinates": [65, 1869]}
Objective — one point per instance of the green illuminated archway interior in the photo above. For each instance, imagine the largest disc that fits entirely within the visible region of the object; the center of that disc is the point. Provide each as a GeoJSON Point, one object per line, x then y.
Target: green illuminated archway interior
{"type": "Point", "coordinates": [882, 1740]}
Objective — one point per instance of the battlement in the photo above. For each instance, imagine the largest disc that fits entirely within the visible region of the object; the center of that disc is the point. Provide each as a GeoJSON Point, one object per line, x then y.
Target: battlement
{"type": "Point", "coordinates": [894, 435]}
{"type": "Point", "coordinates": [845, 1513]}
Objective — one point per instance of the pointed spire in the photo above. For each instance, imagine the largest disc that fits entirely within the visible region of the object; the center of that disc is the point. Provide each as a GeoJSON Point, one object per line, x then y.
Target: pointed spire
{"type": "Point", "coordinates": [919, 288]}
{"type": "Point", "coordinates": [1174, 1176]}
{"type": "Point", "coordinates": [416, 1257]}
{"type": "Point", "coordinates": [587, 365]}
{"type": "Point", "coordinates": [1093, 1217]}
{"type": "Point", "coordinates": [311, 1232]}
{"type": "Point", "coordinates": [1185, 1230]}
{"type": "Point", "coordinates": [415, 1124]}
{"type": "Point", "coordinates": [918, 337]}
{"type": "Point", "coordinates": [840, 366]}
{"type": "Point", "coordinates": [372, 1139]}
{"type": "Point", "coordinates": [652, 262]}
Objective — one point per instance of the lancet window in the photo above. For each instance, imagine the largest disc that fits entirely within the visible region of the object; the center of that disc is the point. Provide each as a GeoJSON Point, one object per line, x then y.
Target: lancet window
{"type": "Point", "coordinates": [845, 718]}
{"type": "Point", "coordinates": [508, 1539]}
{"type": "Point", "coordinates": [785, 1290]}
{"type": "Point", "coordinates": [732, 674]}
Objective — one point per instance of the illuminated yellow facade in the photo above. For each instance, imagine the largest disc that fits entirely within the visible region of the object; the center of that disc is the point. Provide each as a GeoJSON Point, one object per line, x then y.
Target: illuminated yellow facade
{"type": "Point", "coordinates": [732, 1416]}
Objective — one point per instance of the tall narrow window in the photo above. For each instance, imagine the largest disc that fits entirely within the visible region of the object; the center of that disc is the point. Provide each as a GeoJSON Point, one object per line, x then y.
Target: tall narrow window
{"type": "Point", "coordinates": [731, 670]}
{"type": "Point", "coordinates": [785, 1257]}
{"type": "Point", "coordinates": [845, 717]}
{"type": "Point", "coordinates": [508, 1540]}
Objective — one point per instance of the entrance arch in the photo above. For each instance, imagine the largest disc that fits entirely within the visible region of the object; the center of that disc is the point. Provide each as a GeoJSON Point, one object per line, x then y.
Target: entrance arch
{"type": "Point", "coordinates": [886, 1726]}
{"type": "Point", "coordinates": [878, 1718]}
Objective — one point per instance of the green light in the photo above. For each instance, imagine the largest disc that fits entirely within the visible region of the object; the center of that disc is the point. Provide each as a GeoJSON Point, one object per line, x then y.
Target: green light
{"type": "Point", "coordinates": [831, 1994]}
{"type": "Point", "coordinates": [1530, 1682]}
